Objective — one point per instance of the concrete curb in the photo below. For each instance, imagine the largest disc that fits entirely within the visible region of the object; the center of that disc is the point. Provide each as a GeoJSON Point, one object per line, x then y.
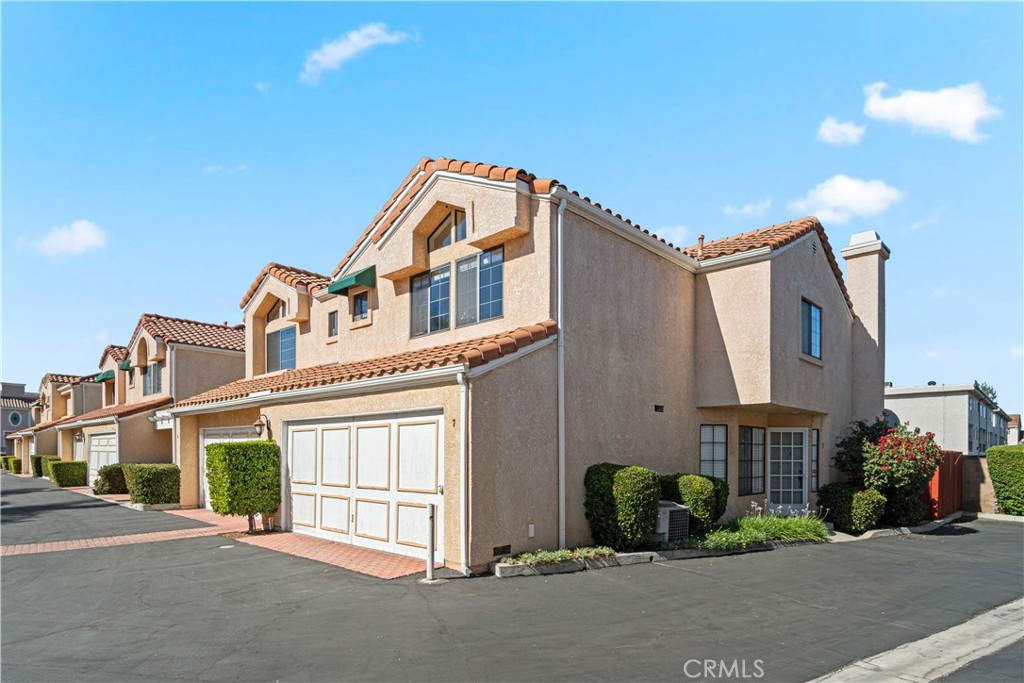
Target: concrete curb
{"type": "Point", "coordinates": [904, 530]}
{"type": "Point", "coordinates": [145, 508]}
{"type": "Point", "coordinates": [994, 517]}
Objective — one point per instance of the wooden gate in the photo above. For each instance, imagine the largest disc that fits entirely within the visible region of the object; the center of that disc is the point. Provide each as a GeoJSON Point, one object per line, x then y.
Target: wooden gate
{"type": "Point", "coordinates": [944, 493]}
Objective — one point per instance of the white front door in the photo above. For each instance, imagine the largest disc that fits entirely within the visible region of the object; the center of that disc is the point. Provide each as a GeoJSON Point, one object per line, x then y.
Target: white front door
{"type": "Point", "coordinates": [787, 468]}
{"type": "Point", "coordinates": [218, 435]}
{"type": "Point", "coordinates": [102, 451]}
{"type": "Point", "coordinates": [368, 481]}
{"type": "Point", "coordinates": [79, 449]}
{"type": "Point", "coordinates": [32, 447]}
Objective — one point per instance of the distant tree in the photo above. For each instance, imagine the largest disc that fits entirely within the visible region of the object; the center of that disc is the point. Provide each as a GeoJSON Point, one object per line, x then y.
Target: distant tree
{"type": "Point", "coordinates": [988, 390]}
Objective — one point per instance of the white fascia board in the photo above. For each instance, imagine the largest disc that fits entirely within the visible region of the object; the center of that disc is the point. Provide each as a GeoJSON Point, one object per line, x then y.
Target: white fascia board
{"type": "Point", "coordinates": [742, 258]}
{"type": "Point", "coordinates": [87, 423]}
{"type": "Point", "coordinates": [404, 381]}
{"type": "Point", "coordinates": [509, 358]}
{"type": "Point", "coordinates": [623, 229]}
{"type": "Point", "coordinates": [206, 349]}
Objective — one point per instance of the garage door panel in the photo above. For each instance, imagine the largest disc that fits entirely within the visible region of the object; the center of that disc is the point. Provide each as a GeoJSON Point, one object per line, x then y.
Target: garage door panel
{"type": "Point", "coordinates": [304, 509]}
{"type": "Point", "coordinates": [334, 456]}
{"type": "Point", "coordinates": [303, 449]}
{"type": "Point", "coordinates": [372, 519]}
{"type": "Point", "coordinates": [412, 524]}
{"type": "Point", "coordinates": [334, 513]}
{"type": "Point", "coordinates": [417, 457]}
{"type": "Point", "coordinates": [102, 451]}
{"type": "Point", "coordinates": [373, 457]}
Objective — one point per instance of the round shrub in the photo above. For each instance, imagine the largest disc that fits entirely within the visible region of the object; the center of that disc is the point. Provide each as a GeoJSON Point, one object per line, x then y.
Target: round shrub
{"type": "Point", "coordinates": [867, 509]}
{"type": "Point", "coordinates": [899, 466]}
{"type": "Point", "coordinates": [1006, 469]}
{"type": "Point", "coordinates": [152, 484]}
{"type": "Point", "coordinates": [621, 504]}
{"type": "Point", "coordinates": [110, 479]}
{"type": "Point", "coordinates": [244, 478]}
{"type": "Point", "coordinates": [836, 500]}
{"type": "Point", "coordinates": [707, 498]}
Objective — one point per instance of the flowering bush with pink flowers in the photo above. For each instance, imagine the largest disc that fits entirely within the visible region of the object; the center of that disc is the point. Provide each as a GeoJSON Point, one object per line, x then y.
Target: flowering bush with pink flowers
{"type": "Point", "coordinates": [899, 465]}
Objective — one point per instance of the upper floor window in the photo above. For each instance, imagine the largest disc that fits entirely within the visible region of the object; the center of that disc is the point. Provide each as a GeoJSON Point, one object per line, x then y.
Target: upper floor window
{"type": "Point", "coordinates": [281, 350]}
{"type": "Point", "coordinates": [811, 329]}
{"type": "Point", "coordinates": [131, 377]}
{"type": "Point", "coordinates": [152, 378]}
{"type": "Point", "coordinates": [451, 229]}
{"type": "Point", "coordinates": [332, 324]}
{"type": "Point", "coordinates": [14, 418]}
{"type": "Point", "coordinates": [479, 287]}
{"type": "Point", "coordinates": [431, 301]}
{"type": "Point", "coordinates": [360, 306]}
{"type": "Point", "coordinates": [279, 310]}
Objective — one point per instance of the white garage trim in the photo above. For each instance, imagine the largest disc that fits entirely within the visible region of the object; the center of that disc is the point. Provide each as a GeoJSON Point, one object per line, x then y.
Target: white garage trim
{"type": "Point", "coordinates": [102, 450]}
{"type": "Point", "coordinates": [212, 435]}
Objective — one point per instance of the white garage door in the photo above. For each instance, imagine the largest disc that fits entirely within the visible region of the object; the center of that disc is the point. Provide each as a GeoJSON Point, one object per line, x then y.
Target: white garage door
{"type": "Point", "coordinates": [368, 482]}
{"type": "Point", "coordinates": [219, 435]}
{"type": "Point", "coordinates": [32, 447]}
{"type": "Point", "coordinates": [102, 451]}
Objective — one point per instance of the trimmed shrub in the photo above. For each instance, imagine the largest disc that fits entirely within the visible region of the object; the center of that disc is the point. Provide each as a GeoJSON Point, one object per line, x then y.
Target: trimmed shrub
{"type": "Point", "coordinates": [244, 479]}
{"type": "Point", "coordinates": [70, 473]}
{"type": "Point", "coordinates": [836, 500]}
{"type": "Point", "coordinates": [621, 504]}
{"type": "Point", "coordinates": [866, 511]}
{"type": "Point", "coordinates": [14, 464]}
{"type": "Point", "coordinates": [110, 479]}
{"type": "Point", "coordinates": [39, 464]}
{"type": "Point", "coordinates": [4, 462]}
{"type": "Point", "coordinates": [707, 498]}
{"type": "Point", "coordinates": [152, 484]}
{"type": "Point", "coordinates": [803, 527]}
{"type": "Point", "coordinates": [1006, 468]}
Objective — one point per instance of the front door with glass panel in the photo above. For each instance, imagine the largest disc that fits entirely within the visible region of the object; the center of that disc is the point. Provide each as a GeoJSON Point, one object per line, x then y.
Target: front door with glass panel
{"type": "Point", "coordinates": [787, 466]}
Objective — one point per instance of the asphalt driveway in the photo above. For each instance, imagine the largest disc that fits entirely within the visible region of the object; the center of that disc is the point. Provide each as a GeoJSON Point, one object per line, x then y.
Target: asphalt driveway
{"type": "Point", "coordinates": [210, 609]}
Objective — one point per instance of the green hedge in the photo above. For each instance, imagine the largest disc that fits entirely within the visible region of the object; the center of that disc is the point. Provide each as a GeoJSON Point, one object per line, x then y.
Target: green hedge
{"type": "Point", "coordinates": [37, 464]}
{"type": "Point", "coordinates": [244, 478]}
{"type": "Point", "coordinates": [71, 473]}
{"type": "Point", "coordinates": [152, 484]}
{"type": "Point", "coordinates": [11, 463]}
{"type": "Point", "coordinates": [1006, 468]}
{"type": "Point", "coordinates": [621, 504]}
{"type": "Point", "coordinates": [851, 511]}
{"type": "Point", "coordinates": [5, 462]}
{"type": "Point", "coordinates": [707, 498]}
{"type": "Point", "coordinates": [110, 479]}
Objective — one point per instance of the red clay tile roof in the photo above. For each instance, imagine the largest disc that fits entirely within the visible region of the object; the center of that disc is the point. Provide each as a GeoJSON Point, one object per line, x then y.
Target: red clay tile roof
{"type": "Point", "coordinates": [121, 410]}
{"type": "Point", "coordinates": [14, 402]}
{"type": "Point", "coordinates": [472, 352]}
{"type": "Point", "coordinates": [46, 425]}
{"type": "Point", "coordinates": [60, 378]}
{"type": "Point", "coordinates": [293, 277]}
{"type": "Point", "coordinates": [417, 179]}
{"type": "Point", "coordinates": [191, 332]}
{"type": "Point", "coordinates": [1014, 421]}
{"type": "Point", "coordinates": [774, 236]}
{"type": "Point", "coordinates": [118, 353]}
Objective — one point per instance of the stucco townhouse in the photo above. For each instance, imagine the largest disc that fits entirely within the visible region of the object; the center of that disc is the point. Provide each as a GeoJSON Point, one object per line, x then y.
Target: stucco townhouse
{"type": "Point", "coordinates": [166, 359]}
{"type": "Point", "coordinates": [61, 397]}
{"type": "Point", "coordinates": [492, 334]}
{"type": "Point", "coordinates": [15, 413]}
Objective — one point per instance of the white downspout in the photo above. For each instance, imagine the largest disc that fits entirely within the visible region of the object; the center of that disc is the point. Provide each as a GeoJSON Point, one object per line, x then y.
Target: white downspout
{"type": "Point", "coordinates": [463, 467]}
{"type": "Point", "coordinates": [560, 342]}
{"type": "Point", "coordinates": [174, 421]}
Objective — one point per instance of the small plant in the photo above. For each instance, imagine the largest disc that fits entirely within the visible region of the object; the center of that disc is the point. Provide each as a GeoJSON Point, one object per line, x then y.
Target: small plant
{"type": "Point", "coordinates": [67, 473]}
{"type": "Point", "coordinates": [728, 539]}
{"type": "Point", "coordinates": [707, 498]}
{"type": "Point", "coordinates": [621, 504]}
{"type": "Point", "coordinates": [244, 479]}
{"type": "Point", "coordinates": [866, 511]}
{"type": "Point", "coordinates": [769, 522]}
{"type": "Point", "coordinates": [110, 479]}
{"type": "Point", "coordinates": [1006, 468]}
{"type": "Point", "coordinates": [555, 556]}
{"type": "Point", "coordinates": [150, 484]}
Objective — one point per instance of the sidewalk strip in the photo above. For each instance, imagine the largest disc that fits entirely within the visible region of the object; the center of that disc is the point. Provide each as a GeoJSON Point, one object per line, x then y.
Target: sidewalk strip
{"type": "Point", "coordinates": [106, 541]}
{"type": "Point", "coordinates": [939, 654]}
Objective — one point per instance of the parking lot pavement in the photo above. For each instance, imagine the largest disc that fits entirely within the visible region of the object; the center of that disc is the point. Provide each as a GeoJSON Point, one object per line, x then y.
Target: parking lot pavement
{"type": "Point", "coordinates": [35, 511]}
{"type": "Point", "coordinates": [211, 609]}
{"type": "Point", "coordinates": [1005, 666]}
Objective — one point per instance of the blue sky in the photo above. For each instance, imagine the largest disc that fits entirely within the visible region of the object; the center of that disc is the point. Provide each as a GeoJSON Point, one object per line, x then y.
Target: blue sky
{"type": "Point", "coordinates": [177, 148]}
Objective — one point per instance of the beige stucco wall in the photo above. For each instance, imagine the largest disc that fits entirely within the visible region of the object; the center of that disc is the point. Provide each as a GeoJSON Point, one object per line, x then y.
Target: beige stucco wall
{"type": "Point", "coordinates": [197, 369]}
{"type": "Point", "coordinates": [978, 494]}
{"type": "Point", "coordinates": [113, 390]}
{"type": "Point", "coordinates": [143, 352]}
{"type": "Point", "coordinates": [46, 441]}
{"type": "Point", "coordinates": [629, 345]}
{"type": "Point", "coordinates": [945, 415]}
{"type": "Point", "coordinates": [513, 456]}
{"type": "Point", "coordinates": [186, 445]}
{"type": "Point", "coordinates": [140, 441]}
{"type": "Point", "coordinates": [865, 281]}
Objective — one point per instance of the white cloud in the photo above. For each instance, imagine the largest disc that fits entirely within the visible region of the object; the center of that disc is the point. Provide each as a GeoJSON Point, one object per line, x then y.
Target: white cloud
{"type": "Point", "coordinates": [955, 112]}
{"type": "Point", "coordinates": [219, 168]}
{"type": "Point", "coordinates": [679, 235]}
{"type": "Point", "coordinates": [841, 198]}
{"type": "Point", "coordinates": [69, 240]}
{"type": "Point", "coordinates": [333, 53]}
{"type": "Point", "coordinates": [752, 209]}
{"type": "Point", "coordinates": [840, 134]}
{"type": "Point", "coordinates": [262, 86]}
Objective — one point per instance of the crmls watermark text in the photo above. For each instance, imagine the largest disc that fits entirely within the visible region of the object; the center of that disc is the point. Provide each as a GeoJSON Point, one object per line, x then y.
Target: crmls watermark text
{"type": "Point", "coordinates": [720, 668]}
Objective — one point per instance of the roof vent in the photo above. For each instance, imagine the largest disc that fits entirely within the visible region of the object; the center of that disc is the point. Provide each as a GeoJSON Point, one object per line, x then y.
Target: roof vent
{"type": "Point", "coordinates": [932, 383]}
{"type": "Point", "coordinates": [814, 247]}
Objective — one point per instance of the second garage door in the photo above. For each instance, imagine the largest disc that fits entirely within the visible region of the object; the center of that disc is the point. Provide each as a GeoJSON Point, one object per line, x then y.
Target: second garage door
{"type": "Point", "coordinates": [220, 435]}
{"type": "Point", "coordinates": [368, 481]}
{"type": "Point", "coordinates": [102, 451]}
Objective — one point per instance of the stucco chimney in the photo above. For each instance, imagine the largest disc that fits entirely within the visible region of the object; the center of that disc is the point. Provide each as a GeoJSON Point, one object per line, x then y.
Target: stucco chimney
{"type": "Point", "coordinates": [700, 246]}
{"type": "Point", "coordinates": [865, 281]}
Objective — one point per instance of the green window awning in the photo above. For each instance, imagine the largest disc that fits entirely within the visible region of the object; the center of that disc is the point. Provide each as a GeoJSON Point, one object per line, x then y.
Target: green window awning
{"type": "Point", "coordinates": [367, 277]}
{"type": "Point", "coordinates": [104, 376]}
{"type": "Point", "coordinates": [126, 364]}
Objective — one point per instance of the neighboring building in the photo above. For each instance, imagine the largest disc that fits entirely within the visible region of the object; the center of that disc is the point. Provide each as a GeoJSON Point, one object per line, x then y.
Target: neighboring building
{"type": "Point", "coordinates": [492, 334]}
{"type": "Point", "coordinates": [1014, 435]}
{"type": "Point", "coordinates": [166, 359]}
{"type": "Point", "coordinates": [15, 413]}
{"type": "Point", "coordinates": [961, 417]}
{"type": "Point", "coordinates": [61, 397]}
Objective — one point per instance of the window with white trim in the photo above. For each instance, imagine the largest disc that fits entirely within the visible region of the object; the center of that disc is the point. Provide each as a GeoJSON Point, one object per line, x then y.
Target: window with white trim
{"type": "Point", "coordinates": [810, 324]}
{"type": "Point", "coordinates": [281, 350]}
{"type": "Point", "coordinates": [431, 302]}
{"type": "Point", "coordinates": [713, 450]}
{"type": "Point", "coordinates": [751, 461]}
{"type": "Point", "coordinates": [479, 287]}
{"type": "Point", "coordinates": [152, 378]}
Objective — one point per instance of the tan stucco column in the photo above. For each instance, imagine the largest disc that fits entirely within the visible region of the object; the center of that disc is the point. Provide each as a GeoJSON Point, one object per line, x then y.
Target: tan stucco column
{"type": "Point", "coordinates": [66, 444]}
{"type": "Point", "coordinates": [21, 450]}
{"type": "Point", "coordinates": [186, 454]}
{"type": "Point", "coordinates": [865, 281]}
